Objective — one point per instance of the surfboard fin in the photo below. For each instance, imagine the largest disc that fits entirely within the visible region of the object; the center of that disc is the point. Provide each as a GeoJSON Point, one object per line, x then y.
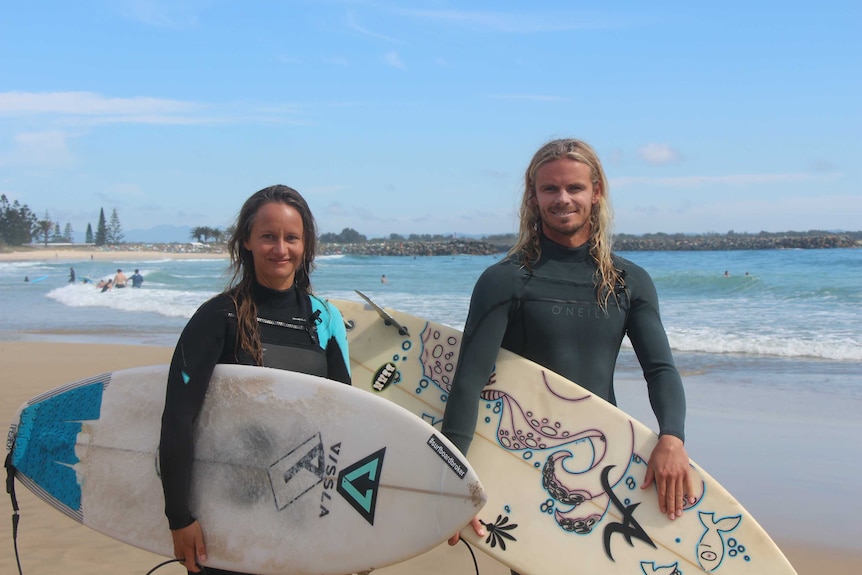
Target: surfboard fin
{"type": "Point", "coordinates": [387, 319]}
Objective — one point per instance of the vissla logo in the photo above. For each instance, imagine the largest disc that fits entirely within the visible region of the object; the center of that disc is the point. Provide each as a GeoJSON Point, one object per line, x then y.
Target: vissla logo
{"type": "Point", "coordinates": [297, 472]}
{"type": "Point", "coordinates": [358, 484]}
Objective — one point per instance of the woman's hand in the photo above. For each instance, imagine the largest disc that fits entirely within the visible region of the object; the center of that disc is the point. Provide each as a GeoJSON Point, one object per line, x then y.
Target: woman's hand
{"type": "Point", "coordinates": [189, 546]}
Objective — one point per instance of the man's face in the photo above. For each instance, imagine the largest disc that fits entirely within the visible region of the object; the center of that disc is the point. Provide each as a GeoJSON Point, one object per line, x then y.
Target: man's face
{"type": "Point", "coordinates": [565, 196]}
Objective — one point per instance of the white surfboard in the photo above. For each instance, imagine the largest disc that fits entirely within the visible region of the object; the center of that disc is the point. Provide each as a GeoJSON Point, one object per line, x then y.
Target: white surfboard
{"type": "Point", "coordinates": [292, 473]}
{"type": "Point", "coordinates": [563, 468]}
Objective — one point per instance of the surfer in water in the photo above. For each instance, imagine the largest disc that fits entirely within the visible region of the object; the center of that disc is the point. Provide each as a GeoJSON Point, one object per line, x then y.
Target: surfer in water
{"type": "Point", "coordinates": [267, 316]}
{"type": "Point", "coordinates": [120, 279]}
{"type": "Point", "coordinates": [562, 299]}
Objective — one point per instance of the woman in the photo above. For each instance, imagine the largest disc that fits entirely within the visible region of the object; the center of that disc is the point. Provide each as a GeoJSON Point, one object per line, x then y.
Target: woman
{"type": "Point", "coordinates": [267, 316]}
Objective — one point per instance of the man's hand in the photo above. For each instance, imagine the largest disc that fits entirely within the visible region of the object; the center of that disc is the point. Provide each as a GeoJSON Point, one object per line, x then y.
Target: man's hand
{"type": "Point", "coordinates": [670, 470]}
{"type": "Point", "coordinates": [477, 527]}
{"type": "Point", "coordinates": [189, 546]}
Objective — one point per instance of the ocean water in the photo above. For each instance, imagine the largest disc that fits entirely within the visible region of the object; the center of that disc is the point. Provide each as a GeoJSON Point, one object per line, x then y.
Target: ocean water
{"type": "Point", "coordinates": [804, 304]}
{"type": "Point", "coordinates": [771, 354]}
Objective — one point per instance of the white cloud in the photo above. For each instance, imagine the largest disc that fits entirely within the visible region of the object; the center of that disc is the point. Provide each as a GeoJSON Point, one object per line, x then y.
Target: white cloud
{"type": "Point", "coordinates": [529, 97]}
{"type": "Point", "coordinates": [88, 104]}
{"type": "Point", "coordinates": [336, 61]}
{"type": "Point", "coordinates": [394, 60]}
{"type": "Point", "coordinates": [518, 22]}
{"type": "Point", "coordinates": [726, 179]}
{"type": "Point", "coordinates": [161, 13]}
{"type": "Point", "coordinates": [353, 24]}
{"type": "Point", "coordinates": [92, 108]}
{"type": "Point", "coordinates": [659, 154]}
{"type": "Point", "coordinates": [42, 149]}
{"type": "Point", "coordinates": [126, 190]}
{"type": "Point", "coordinates": [742, 215]}
{"type": "Point", "coordinates": [288, 59]}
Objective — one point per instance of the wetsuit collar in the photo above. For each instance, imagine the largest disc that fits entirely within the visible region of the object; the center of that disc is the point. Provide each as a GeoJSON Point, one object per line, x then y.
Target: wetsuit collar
{"type": "Point", "coordinates": [273, 297]}
{"type": "Point", "coordinates": [555, 251]}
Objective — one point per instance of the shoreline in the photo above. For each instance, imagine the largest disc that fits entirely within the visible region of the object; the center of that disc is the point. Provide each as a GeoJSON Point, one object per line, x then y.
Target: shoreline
{"type": "Point", "coordinates": [66, 253]}
{"type": "Point", "coordinates": [47, 538]}
{"type": "Point", "coordinates": [495, 245]}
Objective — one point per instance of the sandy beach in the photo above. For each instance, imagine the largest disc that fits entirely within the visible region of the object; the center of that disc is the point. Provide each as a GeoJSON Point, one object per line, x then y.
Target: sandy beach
{"type": "Point", "coordinates": [131, 253]}
{"type": "Point", "coordinates": [48, 540]}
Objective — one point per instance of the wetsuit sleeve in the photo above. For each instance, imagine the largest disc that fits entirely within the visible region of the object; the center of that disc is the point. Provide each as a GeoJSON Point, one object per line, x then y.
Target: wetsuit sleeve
{"type": "Point", "coordinates": [337, 353]}
{"type": "Point", "coordinates": [195, 356]}
{"type": "Point", "coordinates": [486, 325]}
{"type": "Point", "coordinates": [649, 339]}
{"type": "Point", "coordinates": [333, 339]}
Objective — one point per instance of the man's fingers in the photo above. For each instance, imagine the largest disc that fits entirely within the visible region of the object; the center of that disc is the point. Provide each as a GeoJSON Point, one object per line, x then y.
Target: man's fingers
{"type": "Point", "coordinates": [478, 527]}
{"type": "Point", "coordinates": [675, 507]}
{"type": "Point", "coordinates": [689, 489]}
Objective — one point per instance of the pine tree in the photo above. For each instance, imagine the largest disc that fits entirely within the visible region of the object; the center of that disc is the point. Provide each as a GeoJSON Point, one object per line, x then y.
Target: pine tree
{"type": "Point", "coordinates": [89, 235]}
{"type": "Point", "coordinates": [56, 237]}
{"type": "Point", "coordinates": [67, 233]}
{"type": "Point", "coordinates": [44, 227]}
{"type": "Point", "coordinates": [17, 223]}
{"type": "Point", "coordinates": [101, 229]}
{"type": "Point", "coordinates": [115, 230]}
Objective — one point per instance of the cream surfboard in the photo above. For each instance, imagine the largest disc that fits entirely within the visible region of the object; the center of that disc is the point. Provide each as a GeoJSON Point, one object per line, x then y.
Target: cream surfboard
{"type": "Point", "coordinates": [292, 473]}
{"type": "Point", "coordinates": [562, 468]}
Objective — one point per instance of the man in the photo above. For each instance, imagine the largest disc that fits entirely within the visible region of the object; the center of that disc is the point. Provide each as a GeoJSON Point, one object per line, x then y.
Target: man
{"type": "Point", "coordinates": [120, 279]}
{"type": "Point", "coordinates": [563, 259]}
{"type": "Point", "coordinates": [137, 279]}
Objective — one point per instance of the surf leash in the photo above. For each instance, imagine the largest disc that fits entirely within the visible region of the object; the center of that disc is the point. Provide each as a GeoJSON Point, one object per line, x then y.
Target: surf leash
{"type": "Point", "coordinates": [473, 555]}
{"type": "Point", "coordinates": [162, 564]}
{"type": "Point", "coordinates": [10, 489]}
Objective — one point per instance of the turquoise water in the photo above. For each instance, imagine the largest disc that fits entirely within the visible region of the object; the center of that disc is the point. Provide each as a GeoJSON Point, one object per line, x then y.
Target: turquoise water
{"type": "Point", "coordinates": [777, 303]}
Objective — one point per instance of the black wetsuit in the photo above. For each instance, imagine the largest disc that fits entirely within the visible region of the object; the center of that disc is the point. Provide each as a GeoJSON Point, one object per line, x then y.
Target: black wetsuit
{"type": "Point", "coordinates": [298, 333]}
{"type": "Point", "coordinates": [551, 315]}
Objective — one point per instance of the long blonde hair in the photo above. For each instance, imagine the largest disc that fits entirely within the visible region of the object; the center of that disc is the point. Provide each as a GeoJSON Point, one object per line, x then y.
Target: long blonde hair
{"type": "Point", "coordinates": [528, 247]}
{"type": "Point", "coordinates": [242, 262]}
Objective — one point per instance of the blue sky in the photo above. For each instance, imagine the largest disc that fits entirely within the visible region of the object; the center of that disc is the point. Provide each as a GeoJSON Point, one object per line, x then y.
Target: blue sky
{"type": "Point", "coordinates": [420, 117]}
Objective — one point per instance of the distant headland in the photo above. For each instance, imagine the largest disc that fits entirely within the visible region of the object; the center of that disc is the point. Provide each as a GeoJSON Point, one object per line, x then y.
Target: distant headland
{"type": "Point", "coordinates": [497, 244]}
{"type": "Point", "coordinates": [439, 245]}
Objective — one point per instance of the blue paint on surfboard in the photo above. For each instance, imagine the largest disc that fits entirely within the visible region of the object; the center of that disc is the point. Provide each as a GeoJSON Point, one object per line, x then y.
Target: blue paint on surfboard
{"type": "Point", "coordinates": [45, 444]}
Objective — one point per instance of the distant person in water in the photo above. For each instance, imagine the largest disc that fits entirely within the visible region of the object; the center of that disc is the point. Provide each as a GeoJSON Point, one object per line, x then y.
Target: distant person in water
{"type": "Point", "coordinates": [383, 279]}
{"type": "Point", "coordinates": [120, 279]}
{"type": "Point", "coordinates": [26, 279]}
{"type": "Point", "coordinates": [137, 279]}
{"type": "Point", "coordinates": [71, 275]}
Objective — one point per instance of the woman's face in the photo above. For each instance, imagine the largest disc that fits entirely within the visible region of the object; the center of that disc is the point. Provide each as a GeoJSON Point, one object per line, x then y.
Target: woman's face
{"type": "Point", "coordinates": [277, 245]}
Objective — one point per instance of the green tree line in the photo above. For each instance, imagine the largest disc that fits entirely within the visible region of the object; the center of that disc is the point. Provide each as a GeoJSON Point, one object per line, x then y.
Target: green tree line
{"type": "Point", "coordinates": [20, 226]}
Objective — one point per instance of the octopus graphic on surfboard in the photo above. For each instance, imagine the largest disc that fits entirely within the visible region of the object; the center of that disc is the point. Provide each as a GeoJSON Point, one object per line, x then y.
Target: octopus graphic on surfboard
{"type": "Point", "coordinates": [562, 468]}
